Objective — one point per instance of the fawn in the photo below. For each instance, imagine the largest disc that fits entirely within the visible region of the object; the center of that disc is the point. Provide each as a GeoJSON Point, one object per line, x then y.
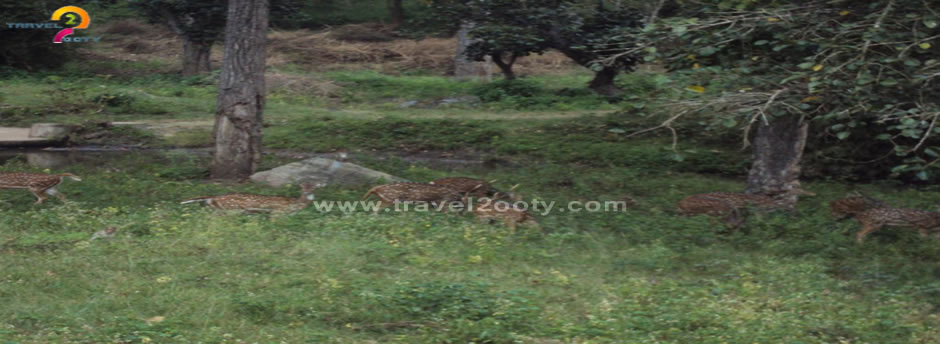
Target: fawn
{"type": "Point", "coordinates": [476, 187]}
{"type": "Point", "coordinates": [874, 214]}
{"type": "Point", "coordinates": [491, 208]}
{"type": "Point", "coordinates": [732, 204]}
{"type": "Point", "coordinates": [39, 184]}
{"type": "Point", "coordinates": [389, 194]}
{"type": "Point", "coordinates": [263, 203]}
{"type": "Point", "coordinates": [875, 218]}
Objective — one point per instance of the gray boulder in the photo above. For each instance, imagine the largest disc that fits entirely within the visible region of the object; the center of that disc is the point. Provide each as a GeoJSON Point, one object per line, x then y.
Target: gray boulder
{"type": "Point", "coordinates": [322, 170]}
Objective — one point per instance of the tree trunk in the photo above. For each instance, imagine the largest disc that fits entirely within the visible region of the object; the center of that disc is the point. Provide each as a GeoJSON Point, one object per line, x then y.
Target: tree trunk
{"type": "Point", "coordinates": [778, 150]}
{"type": "Point", "coordinates": [465, 68]}
{"type": "Point", "coordinates": [196, 57]}
{"type": "Point", "coordinates": [603, 82]}
{"type": "Point", "coordinates": [396, 11]}
{"type": "Point", "coordinates": [240, 105]}
{"type": "Point", "coordinates": [505, 67]}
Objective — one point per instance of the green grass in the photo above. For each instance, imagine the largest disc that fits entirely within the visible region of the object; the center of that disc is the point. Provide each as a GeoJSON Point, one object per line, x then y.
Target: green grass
{"type": "Point", "coordinates": [643, 274]}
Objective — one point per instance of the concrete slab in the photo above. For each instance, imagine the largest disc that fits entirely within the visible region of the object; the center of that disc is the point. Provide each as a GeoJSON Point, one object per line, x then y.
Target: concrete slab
{"type": "Point", "coordinates": [19, 137]}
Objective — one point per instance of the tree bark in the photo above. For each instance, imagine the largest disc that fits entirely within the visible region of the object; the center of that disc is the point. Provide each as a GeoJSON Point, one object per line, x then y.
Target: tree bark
{"type": "Point", "coordinates": [603, 82]}
{"type": "Point", "coordinates": [240, 105]}
{"type": "Point", "coordinates": [505, 67]}
{"type": "Point", "coordinates": [778, 151]}
{"type": "Point", "coordinates": [465, 68]}
{"type": "Point", "coordinates": [396, 11]}
{"type": "Point", "coordinates": [196, 57]}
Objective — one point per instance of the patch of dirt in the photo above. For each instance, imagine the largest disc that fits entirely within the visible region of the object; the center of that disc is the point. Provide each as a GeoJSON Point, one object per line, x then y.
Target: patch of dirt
{"type": "Point", "coordinates": [370, 45]}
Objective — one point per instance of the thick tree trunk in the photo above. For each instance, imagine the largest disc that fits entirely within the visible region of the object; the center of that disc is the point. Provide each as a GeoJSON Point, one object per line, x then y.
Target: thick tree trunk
{"type": "Point", "coordinates": [603, 82]}
{"type": "Point", "coordinates": [778, 150]}
{"type": "Point", "coordinates": [465, 68]}
{"type": "Point", "coordinates": [396, 12]}
{"type": "Point", "coordinates": [240, 105]}
{"type": "Point", "coordinates": [196, 57]}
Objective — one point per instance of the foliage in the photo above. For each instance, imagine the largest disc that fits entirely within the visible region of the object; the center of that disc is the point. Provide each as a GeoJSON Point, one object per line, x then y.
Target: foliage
{"type": "Point", "coordinates": [201, 21]}
{"type": "Point", "coordinates": [863, 72]}
{"type": "Point", "coordinates": [508, 29]}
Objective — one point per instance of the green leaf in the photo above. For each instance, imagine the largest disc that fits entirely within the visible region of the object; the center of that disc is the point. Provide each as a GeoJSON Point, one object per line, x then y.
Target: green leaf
{"type": "Point", "coordinates": [923, 175]}
{"type": "Point", "coordinates": [930, 23]}
{"type": "Point", "coordinates": [883, 137]}
{"type": "Point", "coordinates": [616, 130]}
{"type": "Point", "coordinates": [729, 122]}
{"type": "Point", "coordinates": [707, 51]}
{"type": "Point", "coordinates": [761, 42]}
{"type": "Point", "coordinates": [842, 135]}
{"type": "Point", "coordinates": [806, 65]}
{"type": "Point", "coordinates": [929, 151]}
{"type": "Point", "coordinates": [888, 82]}
{"type": "Point", "coordinates": [912, 62]}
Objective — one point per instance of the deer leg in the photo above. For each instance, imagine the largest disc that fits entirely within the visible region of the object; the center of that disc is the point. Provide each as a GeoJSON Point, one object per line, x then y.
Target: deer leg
{"type": "Point", "coordinates": [39, 196]}
{"type": "Point", "coordinates": [867, 228]}
{"type": "Point", "coordinates": [382, 205]}
{"type": "Point", "coordinates": [54, 192]}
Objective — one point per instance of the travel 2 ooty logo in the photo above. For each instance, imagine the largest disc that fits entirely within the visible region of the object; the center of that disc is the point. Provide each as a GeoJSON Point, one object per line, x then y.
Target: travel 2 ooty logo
{"type": "Point", "coordinates": [71, 18]}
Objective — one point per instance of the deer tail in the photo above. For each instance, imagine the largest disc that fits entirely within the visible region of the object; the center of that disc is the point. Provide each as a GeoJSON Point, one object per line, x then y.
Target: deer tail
{"type": "Point", "coordinates": [197, 199]}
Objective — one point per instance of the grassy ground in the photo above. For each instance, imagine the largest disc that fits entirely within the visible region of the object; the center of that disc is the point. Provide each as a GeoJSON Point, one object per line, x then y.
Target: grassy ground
{"type": "Point", "coordinates": [183, 274]}
{"type": "Point", "coordinates": [180, 273]}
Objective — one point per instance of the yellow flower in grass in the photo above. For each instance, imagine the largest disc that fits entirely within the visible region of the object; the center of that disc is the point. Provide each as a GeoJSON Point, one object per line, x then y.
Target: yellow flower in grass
{"type": "Point", "coordinates": [164, 279]}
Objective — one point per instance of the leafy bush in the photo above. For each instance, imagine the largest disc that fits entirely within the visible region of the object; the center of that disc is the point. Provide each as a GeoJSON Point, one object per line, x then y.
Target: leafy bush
{"type": "Point", "coordinates": [502, 89]}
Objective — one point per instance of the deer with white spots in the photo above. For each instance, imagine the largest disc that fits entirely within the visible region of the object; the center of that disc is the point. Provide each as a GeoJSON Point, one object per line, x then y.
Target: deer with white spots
{"type": "Point", "coordinates": [40, 184]}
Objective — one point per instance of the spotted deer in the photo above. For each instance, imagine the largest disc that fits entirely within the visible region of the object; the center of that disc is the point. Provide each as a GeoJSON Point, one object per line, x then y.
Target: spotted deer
{"type": "Point", "coordinates": [873, 219]}
{"type": "Point", "coordinates": [731, 206]}
{"type": "Point", "coordinates": [260, 203]}
{"type": "Point", "coordinates": [477, 188]}
{"type": "Point", "coordinates": [39, 184]}
{"type": "Point", "coordinates": [436, 195]}
{"type": "Point", "coordinates": [853, 205]}
{"type": "Point", "coordinates": [491, 208]}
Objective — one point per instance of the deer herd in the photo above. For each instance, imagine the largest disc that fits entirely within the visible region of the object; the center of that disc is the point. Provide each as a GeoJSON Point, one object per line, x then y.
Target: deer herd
{"type": "Point", "coordinates": [731, 207]}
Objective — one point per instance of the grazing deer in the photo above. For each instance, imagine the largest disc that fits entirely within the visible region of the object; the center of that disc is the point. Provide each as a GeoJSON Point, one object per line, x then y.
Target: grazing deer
{"type": "Point", "coordinates": [875, 218]}
{"type": "Point", "coordinates": [107, 233]}
{"type": "Point", "coordinates": [731, 205]}
{"type": "Point", "coordinates": [491, 208]}
{"type": "Point", "coordinates": [477, 188]}
{"type": "Point", "coordinates": [853, 205]}
{"type": "Point", "coordinates": [260, 203]}
{"type": "Point", "coordinates": [389, 194]}
{"type": "Point", "coordinates": [39, 184]}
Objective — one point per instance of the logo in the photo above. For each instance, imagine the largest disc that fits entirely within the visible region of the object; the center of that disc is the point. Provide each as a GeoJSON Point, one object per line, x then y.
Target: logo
{"type": "Point", "coordinates": [71, 18]}
{"type": "Point", "coordinates": [71, 13]}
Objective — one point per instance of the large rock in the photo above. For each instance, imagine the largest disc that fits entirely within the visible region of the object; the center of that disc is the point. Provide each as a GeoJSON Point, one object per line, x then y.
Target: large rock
{"type": "Point", "coordinates": [316, 170]}
{"type": "Point", "coordinates": [50, 130]}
